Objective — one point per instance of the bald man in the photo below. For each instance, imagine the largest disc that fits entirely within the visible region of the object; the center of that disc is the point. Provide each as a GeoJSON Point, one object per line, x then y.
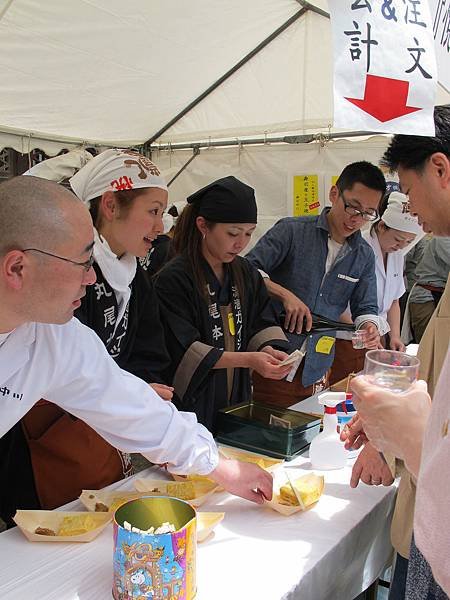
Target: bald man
{"type": "Point", "coordinates": [46, 240]}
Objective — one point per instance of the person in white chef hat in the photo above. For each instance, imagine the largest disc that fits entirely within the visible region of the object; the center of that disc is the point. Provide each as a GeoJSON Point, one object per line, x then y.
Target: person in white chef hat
{"type": "Point", "coordinates": [391, 237]}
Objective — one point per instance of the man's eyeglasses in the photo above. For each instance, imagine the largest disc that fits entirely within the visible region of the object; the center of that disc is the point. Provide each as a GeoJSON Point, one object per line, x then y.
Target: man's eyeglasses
{"type": "Point", "coordinates": [367, 215]}
{"type": "Point", "coordinates": [87, 264]}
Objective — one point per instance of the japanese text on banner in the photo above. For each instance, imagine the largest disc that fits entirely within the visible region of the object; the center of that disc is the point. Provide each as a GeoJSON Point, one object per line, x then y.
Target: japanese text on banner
{"type": "Point", "coordinates": [385, 74]}
{"type": "Point", "coordinates": [306, 195]}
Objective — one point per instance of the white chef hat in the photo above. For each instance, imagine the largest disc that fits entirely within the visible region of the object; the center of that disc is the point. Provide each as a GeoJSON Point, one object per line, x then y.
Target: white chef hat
{"type": "Point", "coordinates": [116, 170]}
{"type": "Point", "coordinates": [397, 215]}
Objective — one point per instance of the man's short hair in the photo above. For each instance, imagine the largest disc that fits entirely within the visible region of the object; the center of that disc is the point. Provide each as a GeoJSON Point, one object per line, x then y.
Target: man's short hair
{"type": "Point", "coordinates": [32, 213]}
{"type": "Point", "coordinates": [413, 151]}
{"type": "Point", "coordinates": [361, 172]}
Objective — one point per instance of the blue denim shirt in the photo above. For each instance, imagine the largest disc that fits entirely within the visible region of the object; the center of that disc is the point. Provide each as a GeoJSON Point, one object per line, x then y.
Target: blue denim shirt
{"type": "Point", "coordinates": [294, 253]}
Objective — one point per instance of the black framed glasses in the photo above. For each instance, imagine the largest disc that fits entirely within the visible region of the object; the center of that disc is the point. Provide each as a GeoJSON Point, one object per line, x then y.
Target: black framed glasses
{"type": "Point", "coordinates": [87, 264]}
{"type": "Point", "coordinates": [368, 215]}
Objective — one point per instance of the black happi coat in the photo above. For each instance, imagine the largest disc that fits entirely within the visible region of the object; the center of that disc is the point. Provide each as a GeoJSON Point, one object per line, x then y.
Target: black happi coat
{"type": "Point", "coordinates": [138, 344]}
{"type": "Point", "coordinates": [193, 327]}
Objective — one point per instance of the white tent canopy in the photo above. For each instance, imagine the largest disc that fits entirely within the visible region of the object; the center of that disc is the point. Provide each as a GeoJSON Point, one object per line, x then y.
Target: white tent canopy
{"type": "Point", "coordinates": [111, 73]}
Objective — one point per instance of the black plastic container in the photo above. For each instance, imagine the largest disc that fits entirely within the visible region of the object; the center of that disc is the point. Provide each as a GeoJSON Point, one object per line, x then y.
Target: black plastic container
{"type": "Point", "coordinates": [247, 426]}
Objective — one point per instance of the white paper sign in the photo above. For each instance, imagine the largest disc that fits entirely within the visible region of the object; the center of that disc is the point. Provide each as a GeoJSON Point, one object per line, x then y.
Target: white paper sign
{"type": "Point", "coordinates": [440, 16]}
{"type": "Point", "coordinates": [385, 74]}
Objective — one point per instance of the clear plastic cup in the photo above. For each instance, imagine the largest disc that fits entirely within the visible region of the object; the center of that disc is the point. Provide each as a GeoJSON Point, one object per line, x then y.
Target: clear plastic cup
{"type": "Point", "coordinates": [359, 339]}
{"type": "Point", "coordinates": [396, 371]}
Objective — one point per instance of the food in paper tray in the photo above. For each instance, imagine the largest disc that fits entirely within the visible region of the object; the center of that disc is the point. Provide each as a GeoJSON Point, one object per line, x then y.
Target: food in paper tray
{"type": "Point", "coordinates": [61, 526]}
{"type": "Point", "coordinates": [71, 526]}
{"type": "Point", "coordinates": [309, 487]}
{"type": "Point", "coordinates": [265, 462]}
{"type": "Point", "coordinates": [194, 492]}
{"type": "Point", "coordinates": [44, 531]}
{"type": "Point", "coordinates": [193, 477]}
{"type": "Point", "coordinates": [106, 500]}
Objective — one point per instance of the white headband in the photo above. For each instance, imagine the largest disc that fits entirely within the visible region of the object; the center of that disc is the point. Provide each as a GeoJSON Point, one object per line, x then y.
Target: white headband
{"type": "Point", "coordinates": [115, 170]}
{"type": "Point", "coordinates": [397, 215]}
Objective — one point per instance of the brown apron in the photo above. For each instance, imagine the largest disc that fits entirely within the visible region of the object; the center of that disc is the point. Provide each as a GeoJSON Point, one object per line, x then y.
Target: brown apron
{"type": "Point", "coordinates": [67, 455]}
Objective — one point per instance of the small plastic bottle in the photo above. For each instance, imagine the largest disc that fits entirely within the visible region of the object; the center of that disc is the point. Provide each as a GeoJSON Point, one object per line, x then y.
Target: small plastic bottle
{"type": "Point", "coordinates": [326, 451]}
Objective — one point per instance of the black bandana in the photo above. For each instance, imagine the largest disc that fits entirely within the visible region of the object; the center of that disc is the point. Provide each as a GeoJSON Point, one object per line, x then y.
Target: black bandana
{"type": "Point", "coordinates": [226, 200]}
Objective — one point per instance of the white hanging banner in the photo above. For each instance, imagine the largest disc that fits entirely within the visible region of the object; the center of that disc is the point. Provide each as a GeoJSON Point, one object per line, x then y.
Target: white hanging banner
{"type": "Point", "coordinates": [440, 16]}
{"type": "Point", "coordinates": [385, 74]}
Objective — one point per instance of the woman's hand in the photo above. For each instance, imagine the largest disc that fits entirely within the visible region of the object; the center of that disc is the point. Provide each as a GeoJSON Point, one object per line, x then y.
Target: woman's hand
{"type": "Point", "coordinates": [164, 391]}
{"type": "Point", "coordinates": [279, 354]}
{"type": "Point", "coordinates": [268, 366]}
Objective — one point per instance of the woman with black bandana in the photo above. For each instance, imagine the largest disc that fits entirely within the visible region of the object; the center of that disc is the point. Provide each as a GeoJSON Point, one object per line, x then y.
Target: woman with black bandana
{"type": "Point", "coordinates": [216, 313]}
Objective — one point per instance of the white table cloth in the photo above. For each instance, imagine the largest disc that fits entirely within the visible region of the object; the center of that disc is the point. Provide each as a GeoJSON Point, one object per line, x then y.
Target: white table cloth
{"type": "Point", "coordinates": [331, 552]}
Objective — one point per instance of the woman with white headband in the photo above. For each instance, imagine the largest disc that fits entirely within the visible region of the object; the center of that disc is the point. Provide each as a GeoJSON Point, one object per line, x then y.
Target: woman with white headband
{"type": "Point", "coordinates": [126, 196]}
{"type": "Point", "coordinates": [391, 238]}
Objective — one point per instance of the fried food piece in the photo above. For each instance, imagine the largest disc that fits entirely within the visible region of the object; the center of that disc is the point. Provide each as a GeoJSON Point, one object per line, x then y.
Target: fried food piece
{"type": "Point", "coordinates": [44, 531]}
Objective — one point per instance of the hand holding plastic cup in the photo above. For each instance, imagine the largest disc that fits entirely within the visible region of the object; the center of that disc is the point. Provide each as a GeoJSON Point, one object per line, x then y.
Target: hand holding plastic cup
{"type": "Point", "coordinates": [392, 370]}
{"type": "Point", "coordinates": [359, 338]}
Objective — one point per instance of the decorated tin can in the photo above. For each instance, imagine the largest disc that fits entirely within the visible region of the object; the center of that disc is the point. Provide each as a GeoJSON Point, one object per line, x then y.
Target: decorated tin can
{"type": "Point", "coordinates": [148, 564]}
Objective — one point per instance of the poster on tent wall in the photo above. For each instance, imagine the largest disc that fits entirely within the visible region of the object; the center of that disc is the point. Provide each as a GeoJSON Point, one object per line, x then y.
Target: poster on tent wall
{"type": "Point", "coordinates": [385, 74]}
{"type": "Point", "coordinates": [440, 16]}
{"type": "Point", "coordinates": [305, 195]}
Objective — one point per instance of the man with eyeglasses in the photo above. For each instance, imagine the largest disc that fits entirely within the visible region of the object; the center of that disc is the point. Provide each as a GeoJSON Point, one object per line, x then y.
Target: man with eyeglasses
{"type": "Point", "coordinates": [46, 240]}
{"type": "Point", "coordinates": [321, 264]}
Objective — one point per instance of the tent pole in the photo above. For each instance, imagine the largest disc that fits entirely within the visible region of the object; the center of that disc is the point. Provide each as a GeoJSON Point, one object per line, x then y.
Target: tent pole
{"type": "Point", "coordinates": [313, 8]}
{"type": "Point", "coordinates": [228, 74]}
{"type": "Point", "coordinates": [195, 153]}
{"type": "Point", "coordinates": [287, 139]}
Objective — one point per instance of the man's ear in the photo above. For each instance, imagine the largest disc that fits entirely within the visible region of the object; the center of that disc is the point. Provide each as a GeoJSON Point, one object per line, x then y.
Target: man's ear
{"type": "Point", "coordinates": [440, 165]}
{"type": "Point", "coordinates": [12, 269]}
{"type": "Point", "coordinates": [334, 194]}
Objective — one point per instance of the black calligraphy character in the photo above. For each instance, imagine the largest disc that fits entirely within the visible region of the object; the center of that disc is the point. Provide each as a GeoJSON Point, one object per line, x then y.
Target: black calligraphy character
{"type": "Point", "coordinates": [388, 11]}
{"type": "Point", "coordinates": [414, 13]}
{"type": "Point", "coordinates": [416, 54]}
{"type": "Point", "coordinates": [4, 391]}
{"type": "Point", "coordinates": [361, 4]}
{"type": "Point", "coordinates": [355, 50]}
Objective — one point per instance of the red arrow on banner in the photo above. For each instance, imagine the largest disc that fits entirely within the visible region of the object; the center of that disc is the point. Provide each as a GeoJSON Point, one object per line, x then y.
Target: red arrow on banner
{"type": "Point", "coordinates": [384, 98]}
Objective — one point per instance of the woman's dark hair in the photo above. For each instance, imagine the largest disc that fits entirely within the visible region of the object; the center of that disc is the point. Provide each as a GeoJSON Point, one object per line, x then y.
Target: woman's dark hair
{"type": "Point", "coordinates": [381, 210]}
{"type": "Point", "coordinates": [187, 240]}
{"type": "Point", "coordinates": [125, 199]}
